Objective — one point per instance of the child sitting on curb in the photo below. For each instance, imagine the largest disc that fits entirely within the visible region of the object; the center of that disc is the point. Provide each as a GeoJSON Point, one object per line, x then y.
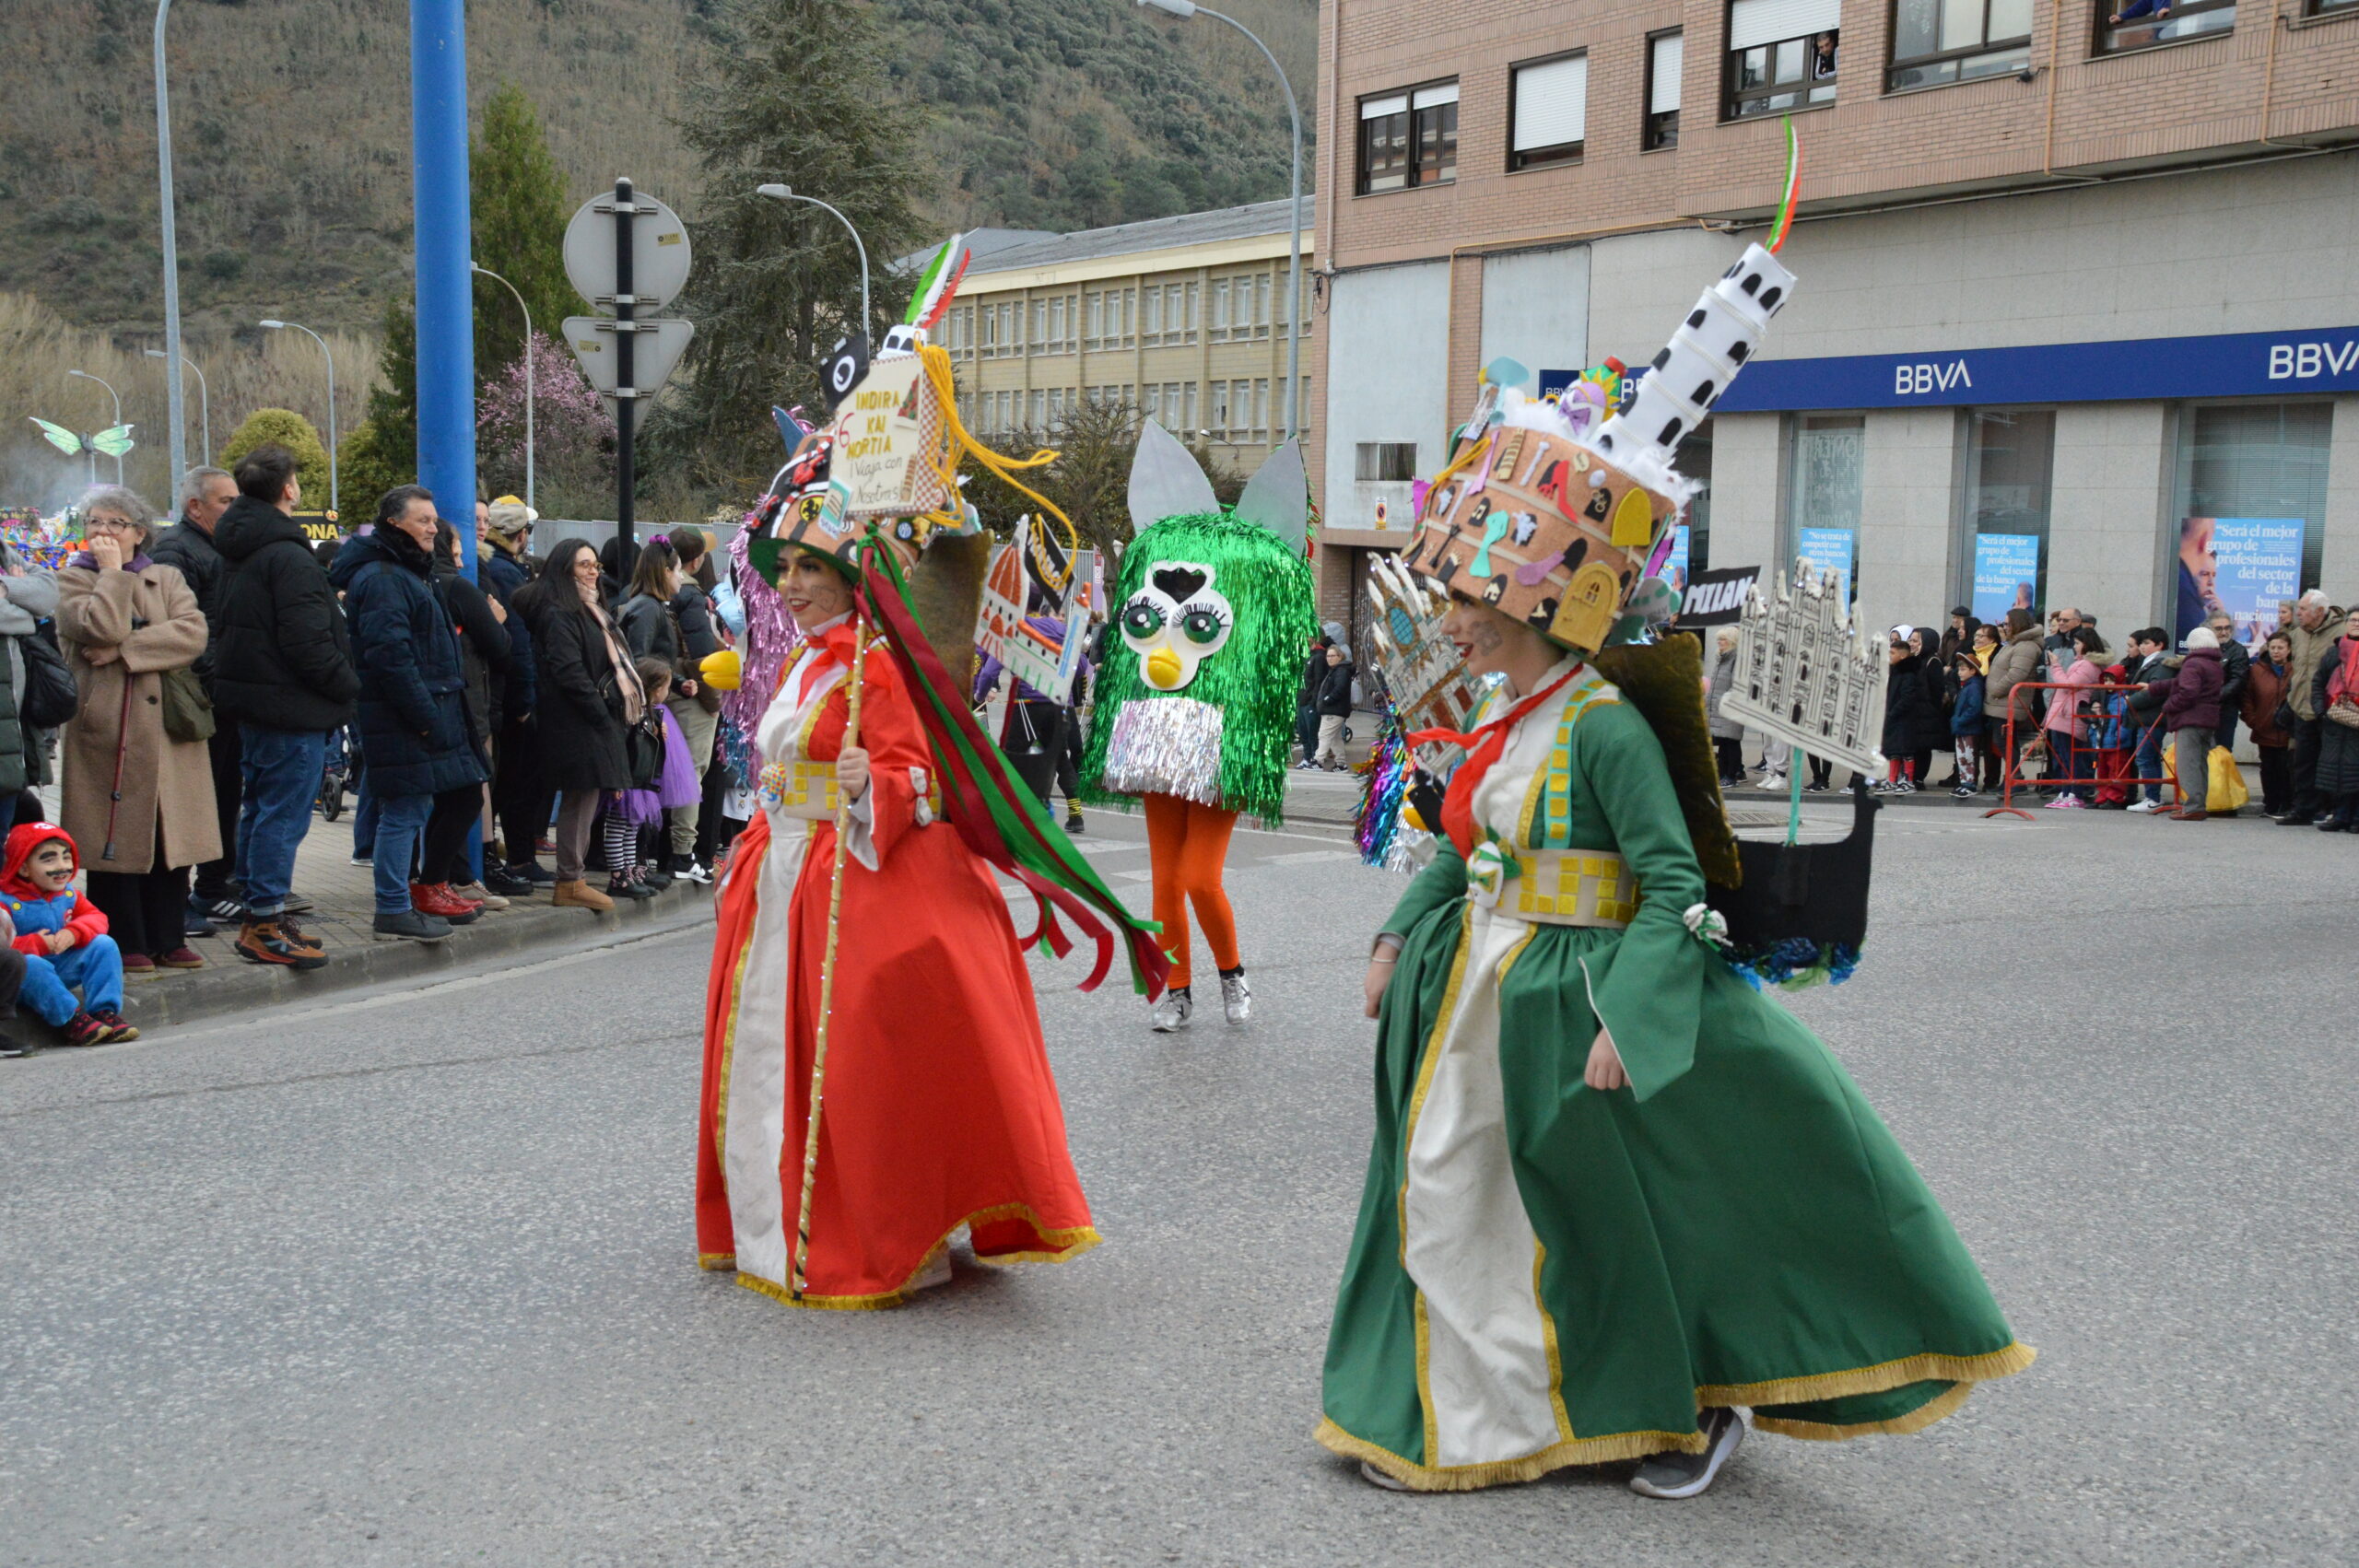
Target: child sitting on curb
{"type": "Point", "coordinates": [63, 938]}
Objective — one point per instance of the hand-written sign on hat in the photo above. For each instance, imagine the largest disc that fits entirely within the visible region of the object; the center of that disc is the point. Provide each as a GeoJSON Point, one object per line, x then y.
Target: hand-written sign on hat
{"type": "Point", "coordinates": [888, 436]}
{"type": "Point", "coordinates": [1541, 528]}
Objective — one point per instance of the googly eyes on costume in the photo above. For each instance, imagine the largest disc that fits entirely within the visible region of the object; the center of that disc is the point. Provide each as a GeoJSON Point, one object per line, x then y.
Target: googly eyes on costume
{"type": "Point", "coordinates": [1180, 617]}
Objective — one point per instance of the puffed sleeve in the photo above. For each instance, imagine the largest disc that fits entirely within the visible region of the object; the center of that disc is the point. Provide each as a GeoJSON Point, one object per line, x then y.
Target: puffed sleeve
{"type": "Point", "coordinates": [900, 766]}
{"type": "Point", "coordinates": [1648, 989]}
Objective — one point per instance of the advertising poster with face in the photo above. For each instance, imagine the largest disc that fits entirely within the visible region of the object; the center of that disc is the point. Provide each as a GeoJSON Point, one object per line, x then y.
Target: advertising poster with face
{"type": "Point", "coordinates": [2006, 575]}
{"type": "Point", "coordinates": [2246, 565]}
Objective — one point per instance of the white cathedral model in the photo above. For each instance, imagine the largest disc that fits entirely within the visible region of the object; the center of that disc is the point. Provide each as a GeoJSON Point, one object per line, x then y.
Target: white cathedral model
{"type": "Point", "coordinates": [1805, 676]}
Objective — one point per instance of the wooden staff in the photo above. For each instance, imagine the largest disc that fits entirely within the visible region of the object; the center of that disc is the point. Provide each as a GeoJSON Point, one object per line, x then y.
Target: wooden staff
{"type": "Point", "coordinates": [827, 963]}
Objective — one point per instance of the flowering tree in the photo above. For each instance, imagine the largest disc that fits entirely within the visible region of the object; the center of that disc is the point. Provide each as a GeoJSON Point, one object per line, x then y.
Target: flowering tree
{"type": "Point", "coordinates": [573, 438]}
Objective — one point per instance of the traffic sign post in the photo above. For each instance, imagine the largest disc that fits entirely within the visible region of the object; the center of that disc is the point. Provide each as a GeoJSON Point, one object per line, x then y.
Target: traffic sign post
{"type": "Point", "coordinates": [637, 258]}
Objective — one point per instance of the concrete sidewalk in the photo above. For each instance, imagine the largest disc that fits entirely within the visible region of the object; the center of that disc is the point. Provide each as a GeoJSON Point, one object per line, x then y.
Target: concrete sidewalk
{"type": "Point", "coordinates": [344, 907]}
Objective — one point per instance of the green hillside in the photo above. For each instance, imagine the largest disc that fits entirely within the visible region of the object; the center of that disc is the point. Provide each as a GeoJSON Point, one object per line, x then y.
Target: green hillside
{"type": "Point", "coordinates": [291, 130]}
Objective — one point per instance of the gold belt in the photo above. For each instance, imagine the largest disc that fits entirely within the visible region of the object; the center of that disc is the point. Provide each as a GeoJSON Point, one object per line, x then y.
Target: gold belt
{"type": "Point", "coordinates": [807, 789]}
{"type": "Point", "coordinates": [1569, 887]}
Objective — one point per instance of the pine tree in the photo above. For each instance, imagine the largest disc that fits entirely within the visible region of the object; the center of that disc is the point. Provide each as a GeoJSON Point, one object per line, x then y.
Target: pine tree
{"type": "Point", "coordinates": [518, 211]}
{"type": "Point", "coordinates": [798, 94]}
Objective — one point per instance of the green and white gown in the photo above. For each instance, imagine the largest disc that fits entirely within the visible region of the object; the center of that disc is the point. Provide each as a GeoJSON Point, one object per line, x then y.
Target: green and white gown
{"type": "Point", "coordinates": [1548, 1275]}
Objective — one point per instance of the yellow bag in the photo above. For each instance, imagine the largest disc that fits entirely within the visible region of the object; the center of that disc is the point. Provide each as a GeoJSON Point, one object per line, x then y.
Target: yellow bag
{"type": "Point", "coordinates": [2227, 791]}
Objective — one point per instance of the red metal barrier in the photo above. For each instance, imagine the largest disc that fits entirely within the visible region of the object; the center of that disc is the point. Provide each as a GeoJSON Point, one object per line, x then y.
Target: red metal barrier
{"type": "Point", "coordinates": [2095, 781]}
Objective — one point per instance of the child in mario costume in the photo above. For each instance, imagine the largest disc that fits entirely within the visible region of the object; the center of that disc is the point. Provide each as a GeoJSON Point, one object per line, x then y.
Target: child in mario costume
{"type": "Point", "coordinates": [62, 936]}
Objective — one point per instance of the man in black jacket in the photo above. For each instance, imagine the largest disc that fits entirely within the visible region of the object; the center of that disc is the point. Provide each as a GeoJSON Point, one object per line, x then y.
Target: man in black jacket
{"type": "Point", "coordinates": [2236, 669]}
{"type": "Point", "coordinates": [282, 669]}
{"type": "Point", "coordinates": [518, 800]}
{"type": "Point", "coordinates": [188, 547]}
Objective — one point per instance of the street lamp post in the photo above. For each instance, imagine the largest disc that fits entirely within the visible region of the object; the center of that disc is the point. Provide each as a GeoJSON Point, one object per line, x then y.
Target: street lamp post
{"type": "Point", "coordinates": [532, 387]}
{"type": "Point", "coordinates": [117, 419]}
{"type": "Point", "coordinates": [788, 194]}
{"type": "Point", "coordinates": [335, 507]}
{"type": "Point", "coordinates": [173, 395]}
{"type": "Point", "coordinates": [204, 409]}
{"type": "Point", "coordinates": [1294, 253]}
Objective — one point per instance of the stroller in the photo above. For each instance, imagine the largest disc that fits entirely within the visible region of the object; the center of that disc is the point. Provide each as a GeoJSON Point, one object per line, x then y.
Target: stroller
{"type": "Point", "coordinates": [343, 765]}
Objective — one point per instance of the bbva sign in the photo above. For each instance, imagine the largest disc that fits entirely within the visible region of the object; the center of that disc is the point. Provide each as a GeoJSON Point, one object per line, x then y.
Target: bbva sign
{"type": "Point", "coordinates": [1923, 377]}
{"type": "Point", "coordinates": [2305, 361]}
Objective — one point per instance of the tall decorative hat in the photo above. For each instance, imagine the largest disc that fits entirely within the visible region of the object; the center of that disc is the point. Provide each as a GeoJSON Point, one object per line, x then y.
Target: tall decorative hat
{"type": "Point", "coordinates": [1553, 520]}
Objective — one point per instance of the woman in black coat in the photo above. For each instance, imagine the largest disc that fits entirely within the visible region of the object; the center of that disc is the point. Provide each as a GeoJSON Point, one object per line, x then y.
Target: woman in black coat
{"type": "Point", "coordinates": [1912, 719]}
{"type": "Point", "coordinates": [588, 698]}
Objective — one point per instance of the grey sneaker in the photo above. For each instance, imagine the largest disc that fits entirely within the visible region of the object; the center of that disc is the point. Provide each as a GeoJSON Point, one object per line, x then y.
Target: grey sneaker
{"type": "Point", "coordinates": [1375, 1477]}
{"type": "Point", "coordinates": [1171, 1015]}
{"type": "Point", "coordinates": [1691, 1475]}
{"type": "Point", "coordinates": [411, 925]}
{"type": "Point", "coordinates": [1236, 996]}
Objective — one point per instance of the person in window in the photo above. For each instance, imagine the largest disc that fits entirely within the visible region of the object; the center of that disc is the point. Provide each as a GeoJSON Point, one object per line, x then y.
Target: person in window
{"type": "Point", "coordinates": [2157, 9]}
{"type": "Point", "coordinates": [1822, 57]}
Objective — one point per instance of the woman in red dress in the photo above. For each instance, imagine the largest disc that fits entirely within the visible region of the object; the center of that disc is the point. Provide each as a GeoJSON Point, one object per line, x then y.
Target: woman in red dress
{"type": "Point", "coordinates": [938, 1108]}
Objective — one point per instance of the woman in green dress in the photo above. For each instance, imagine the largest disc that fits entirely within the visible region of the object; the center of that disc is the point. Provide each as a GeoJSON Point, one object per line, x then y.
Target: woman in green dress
{"type": "Point", "coordinates": [1618, 1198]}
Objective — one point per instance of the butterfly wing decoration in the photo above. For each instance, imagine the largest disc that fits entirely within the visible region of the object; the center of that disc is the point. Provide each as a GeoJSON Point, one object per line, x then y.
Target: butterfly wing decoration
{"type": "Point", "coordinates": [114, 441]}
{"type": "Point", "coordinates": [58, 436]}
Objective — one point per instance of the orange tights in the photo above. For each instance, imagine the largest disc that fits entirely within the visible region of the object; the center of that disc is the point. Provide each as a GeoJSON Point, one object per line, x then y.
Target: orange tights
{"type": "Point", "coordinates": [1189, 845]}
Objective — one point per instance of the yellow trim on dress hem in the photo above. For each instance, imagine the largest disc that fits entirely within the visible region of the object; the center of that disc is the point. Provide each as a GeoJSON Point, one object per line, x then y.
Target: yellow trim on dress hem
{"type": "Point", "coordinates": [716, 1260]}
{"type": "Point", "coordinates": [1472, 1478]}
{"type": "Point", "coordinates": [1927, 1368]}
{"type": "Point", "coordinates": [1071, 1242]}
{"type": "Point", "coordinates": [1916, 1420]}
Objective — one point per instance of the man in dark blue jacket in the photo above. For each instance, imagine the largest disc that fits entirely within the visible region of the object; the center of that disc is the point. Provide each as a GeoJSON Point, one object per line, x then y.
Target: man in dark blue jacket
{"type": "Point", "coordinates": [423, 765]}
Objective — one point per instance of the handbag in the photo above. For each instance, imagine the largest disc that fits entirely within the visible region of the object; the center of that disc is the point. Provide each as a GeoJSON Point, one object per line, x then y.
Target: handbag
{"type": "Point", "coordinates": [644, 749]}
{"type": "Point", "coordinates": [188, 712]}
{"type": "Point", "coordinates": [2344, 712]}
{"type": "Point", "coordinates": [50, 698]}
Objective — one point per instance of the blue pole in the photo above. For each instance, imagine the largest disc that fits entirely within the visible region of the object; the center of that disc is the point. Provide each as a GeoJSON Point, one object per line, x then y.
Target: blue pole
{"type": "Point", "coordinates": [446, 343]}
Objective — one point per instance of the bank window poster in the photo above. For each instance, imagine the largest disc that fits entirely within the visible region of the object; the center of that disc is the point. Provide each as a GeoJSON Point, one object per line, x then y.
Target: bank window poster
{"type": "Point", "coordinates": [2246, 565]}
{"type": "Point", "coordinates": [2006, 575]}
{"type": "Point", "coordinates": [1828, 549]}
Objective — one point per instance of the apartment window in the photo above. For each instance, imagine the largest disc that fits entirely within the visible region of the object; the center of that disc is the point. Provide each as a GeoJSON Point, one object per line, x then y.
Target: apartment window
{"type": "Point", "coordinates": [1038, 414]}
{"type": "Point", "coordinates": [1188, 325]}
{"type": "Point", "coordinates": [2188, 18]}
{"type": "Point", "coordinates": [1666, 57]}
{"type": "Point", "coordinates": [1057, 323]}
{"type": "Point", "coordinates": [1216, 410]}
{"type": "Point", "coordinates": [1188, 406]}
{"type": "Point", "coordinates": [1261, 409]}
{"type": "Point", "coordinates": [1409, 139]}
{"type": "Point", "coordinates": [1547, 112]}
{"type": "Point", "coordinates": [1040, 326]}
{"type": "Point", "coordinates": [1938, 41]}
{"type": "Point", "coordinates": [1094, 332]}
{"type": "Point", "coordinates": [2320, 7]}
{"type": "Point", "coordinates": [2010, 458]}
{"type": "Point", "coordinates": [1262, 304]}
{"type": "Point", "coordinates": [1151, 315]}
{"type": "Point", "coordinates": [1781, 55]}
{"type": "Point", "coordinates": [1130, 316]}
{"type": "Point", "coordinates": [1385, 462]}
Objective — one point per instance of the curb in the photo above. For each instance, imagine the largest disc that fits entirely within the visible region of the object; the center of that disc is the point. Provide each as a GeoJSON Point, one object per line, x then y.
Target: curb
{"type": "Point", "coordinates": [236, 985]}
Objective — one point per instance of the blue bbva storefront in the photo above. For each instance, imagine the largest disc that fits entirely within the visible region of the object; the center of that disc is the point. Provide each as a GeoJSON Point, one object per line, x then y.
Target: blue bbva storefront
{"type": "Point", "coordinates": [2074, 474]}
{"type": "Point", "coordinates": [2230, 365]}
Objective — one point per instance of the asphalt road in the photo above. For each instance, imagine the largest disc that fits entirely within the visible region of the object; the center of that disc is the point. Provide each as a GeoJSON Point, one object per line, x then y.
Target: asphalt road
{"type": "Point", "coordinates": [410, 1279]}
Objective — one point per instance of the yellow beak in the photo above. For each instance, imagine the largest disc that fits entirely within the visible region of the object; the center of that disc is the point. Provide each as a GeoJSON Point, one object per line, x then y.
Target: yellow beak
{"type": "Point", "coordinates": [1164, 671]}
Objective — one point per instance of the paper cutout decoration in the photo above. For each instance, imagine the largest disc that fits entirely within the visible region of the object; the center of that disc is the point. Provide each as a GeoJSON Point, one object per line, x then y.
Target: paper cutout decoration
{"type": "Point", "coordinates": [1004, 631]}
{"type": "Point", "coordinates": [1806, 675]}
{"type": "Point", "coordinates": [1278, 495]}
{"type": "Point", "coordinates": [1424, 676]}
{"type": "Point", "coordinates": [1165, 480]}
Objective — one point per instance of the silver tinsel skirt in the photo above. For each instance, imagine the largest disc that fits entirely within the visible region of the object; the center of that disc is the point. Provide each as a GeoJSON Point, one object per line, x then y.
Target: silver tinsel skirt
{"type": "Point", "coordinates": [1166, 745]}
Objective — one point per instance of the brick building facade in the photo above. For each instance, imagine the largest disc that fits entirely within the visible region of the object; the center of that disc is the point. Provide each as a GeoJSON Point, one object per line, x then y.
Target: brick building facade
{"type": "Point", "coordinates": [2063, 282]}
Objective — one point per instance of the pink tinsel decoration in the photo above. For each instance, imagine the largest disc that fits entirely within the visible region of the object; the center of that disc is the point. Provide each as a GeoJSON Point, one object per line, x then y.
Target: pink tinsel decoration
{"type": "Point", "coordinates": [770, 638]}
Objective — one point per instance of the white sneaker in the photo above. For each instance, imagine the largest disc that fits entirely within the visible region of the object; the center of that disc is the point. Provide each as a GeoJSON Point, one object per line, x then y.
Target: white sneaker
{"type": "Point", "coordinates": [2148, 807]}
{"type": "Point", "coordinates": [699, 873]}
{"type": "Point", "coordinates": [1236, 997]}
{"type": "Point", "coordinates": [1171, 1015]}
{"type": "Point", "coordinates": [1375, 1477]}
{"type": "Point", "coordinates": [1773, 782]}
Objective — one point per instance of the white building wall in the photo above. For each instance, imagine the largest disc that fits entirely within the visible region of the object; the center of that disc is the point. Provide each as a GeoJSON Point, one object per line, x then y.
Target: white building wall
{"type": "Point", "coordinates": [2339, 568]}
{"type": "Point", "coordinates": [1748, 489]}
{"type": "Point", "coordinates": [1535, 309]}
{"type": "Point", "coordinates": [1387, 369]}
{"type": "Point", "coordinates": [1908, 483]}
{"type": "Point", "coordinates": [2112, 490]}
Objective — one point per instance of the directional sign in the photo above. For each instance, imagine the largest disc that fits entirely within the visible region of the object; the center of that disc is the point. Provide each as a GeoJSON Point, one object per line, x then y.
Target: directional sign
{"type": "Point", "coordinates": [658, 252]}
{"type": "Point", "coordinates": [660, 345]}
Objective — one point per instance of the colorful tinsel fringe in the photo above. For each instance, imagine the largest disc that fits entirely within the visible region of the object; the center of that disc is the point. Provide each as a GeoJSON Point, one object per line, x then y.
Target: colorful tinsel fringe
{"type": "Point", "coordinates": [1377, 827]}
{"type": "Point", "coordinates": [1793, 963]}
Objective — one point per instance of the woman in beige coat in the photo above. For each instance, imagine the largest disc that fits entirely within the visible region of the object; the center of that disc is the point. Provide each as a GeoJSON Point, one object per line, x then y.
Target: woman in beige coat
{"type": "Point", "coordinates": [124, 621]}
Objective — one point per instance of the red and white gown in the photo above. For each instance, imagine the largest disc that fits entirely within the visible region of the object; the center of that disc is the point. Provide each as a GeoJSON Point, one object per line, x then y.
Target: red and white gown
{"type": "Point", "coordinates": [939, 1108]}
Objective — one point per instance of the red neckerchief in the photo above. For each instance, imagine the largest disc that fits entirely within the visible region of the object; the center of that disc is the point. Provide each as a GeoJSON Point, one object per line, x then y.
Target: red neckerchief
{"type": "Point", "coordinates": [1483, 747]}
{"type": "Point", "coordinates": [2345, 683]}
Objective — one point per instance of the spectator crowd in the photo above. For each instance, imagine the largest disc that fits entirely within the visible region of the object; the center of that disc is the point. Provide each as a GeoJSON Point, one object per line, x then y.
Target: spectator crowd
{"type": "Point", "coordinates": [194, 691]}
{"type": "Point", "coordinates": [2058, 712]}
